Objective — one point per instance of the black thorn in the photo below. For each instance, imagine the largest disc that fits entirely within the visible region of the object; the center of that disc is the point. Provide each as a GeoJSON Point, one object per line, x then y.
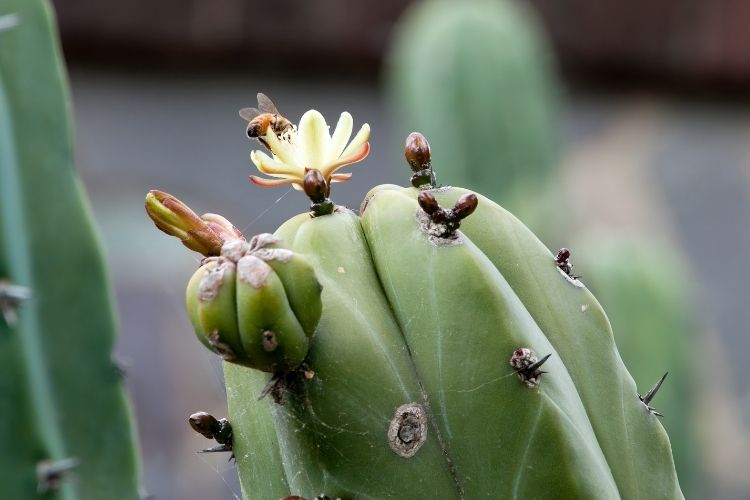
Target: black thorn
{"type": "Point", "coordinates": [531, 369]}
{"type": "Point", "coordinates": [217, 449]}
{"type": "Point", "coordinates": [651, 393]}
{"type": "Point", "coordinates": [269, 386]}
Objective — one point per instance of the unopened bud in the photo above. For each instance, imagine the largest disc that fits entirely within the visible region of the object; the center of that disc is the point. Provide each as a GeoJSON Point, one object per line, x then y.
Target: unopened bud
{"type": "Point", "coordinates": [465, 205]}
{"type": "Point", "coordinates": [204, 424]}
{"type": "Point", "coordinates": [417, 152]}
{"type": "Point", "coordinates": [428, 202]}
{"type": "Point", "coordinates": [203, 235]}
{"type": "Point", "coordinates": [315, 186]}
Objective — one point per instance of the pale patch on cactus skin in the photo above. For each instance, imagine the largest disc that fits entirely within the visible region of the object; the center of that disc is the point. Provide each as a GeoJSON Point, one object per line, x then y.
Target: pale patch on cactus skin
{"type": "Point", "coordinates": [279, 254]}
{"type": "Point", "coordinates": [263, 240]}
{"type": "Point", "coordinates": [212, 281]}
{"type": "Point", "coordinates": [573, 281]}
{"type": "Point", "coordinates": [253, 271]}
{"type": "Point", "coordinates": [234, 250]}
{"type": "Point", "coordinates": [408, 430]}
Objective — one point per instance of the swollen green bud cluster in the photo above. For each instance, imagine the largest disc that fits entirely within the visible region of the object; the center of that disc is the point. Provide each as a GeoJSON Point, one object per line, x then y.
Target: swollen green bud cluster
{"type": "Point", "coordinates": [256, 304]}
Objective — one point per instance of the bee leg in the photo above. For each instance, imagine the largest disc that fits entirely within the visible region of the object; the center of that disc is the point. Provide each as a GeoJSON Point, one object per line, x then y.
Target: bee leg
{"type": "Point", "coordinates": [263, 141]}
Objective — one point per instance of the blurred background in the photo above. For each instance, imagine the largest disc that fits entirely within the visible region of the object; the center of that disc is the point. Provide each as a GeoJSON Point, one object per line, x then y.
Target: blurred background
{"type": "Point", "coordinates": [618, 129]}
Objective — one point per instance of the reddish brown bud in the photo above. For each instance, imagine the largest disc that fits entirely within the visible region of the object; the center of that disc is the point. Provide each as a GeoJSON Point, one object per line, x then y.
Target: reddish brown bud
{"type": "Point", "coordinates": [428, 203]}
{"type": "Point", "coordinates": [562, 255]}
{"type": "Point", "coordinates": [465, 205]}
{"type": "Point", "coordinates": [204, 424]}
{"type": "Point", "coordinates": [315, 186]}
{"type": "Point", "coordinates": [417, 152]}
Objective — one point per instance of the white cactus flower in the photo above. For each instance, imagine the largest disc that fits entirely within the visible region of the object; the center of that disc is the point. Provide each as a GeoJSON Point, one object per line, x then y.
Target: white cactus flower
{"type": "Point", "coordinates": [311, 147]}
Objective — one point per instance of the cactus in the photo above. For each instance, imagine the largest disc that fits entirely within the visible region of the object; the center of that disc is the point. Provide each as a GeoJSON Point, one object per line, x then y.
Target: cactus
{"type": "Point", "coordinates": [450, 72]}
{"type": "Point", "coordinates": [66, 429]}
{"type": "Point", "coordinates": [455, 356]}
{"type": "Point", "coordinates": [476, 78]}
{"type": "Point", "coordinates": [631, 273]}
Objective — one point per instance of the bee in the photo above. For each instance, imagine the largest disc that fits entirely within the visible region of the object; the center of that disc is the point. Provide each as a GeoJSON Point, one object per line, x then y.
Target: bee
{"type": "Point", "coordinates": [264, 116]}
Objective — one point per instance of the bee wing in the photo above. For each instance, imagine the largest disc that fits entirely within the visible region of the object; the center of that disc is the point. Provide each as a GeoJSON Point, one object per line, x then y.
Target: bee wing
{"type": "Point", "coordinates": [248, 114]}
{"type": "Point", "coordinates": [266, 105]}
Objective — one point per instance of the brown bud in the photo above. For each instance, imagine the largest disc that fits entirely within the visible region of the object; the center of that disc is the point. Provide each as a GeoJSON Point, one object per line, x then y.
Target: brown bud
{"type": "Point", "coordinates": [417, 152]}
{"type": "Point", "coordinates": [465, 206]}
{"type": "Point", "coordinates": [315, 186]}
{"type": "Point", "coordinates": [204, 424]}
{"type": "Point", "coordinates": [562, 255]}
{"type": "Point", "coordinates": [428, 203]}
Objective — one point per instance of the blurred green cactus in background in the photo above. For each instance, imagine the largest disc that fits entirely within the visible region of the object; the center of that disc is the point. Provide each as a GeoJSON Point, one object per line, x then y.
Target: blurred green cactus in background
{"type": "Point", "coordinates": [66, 429]}
{"type": "Point", "coordinates": [477, 78]}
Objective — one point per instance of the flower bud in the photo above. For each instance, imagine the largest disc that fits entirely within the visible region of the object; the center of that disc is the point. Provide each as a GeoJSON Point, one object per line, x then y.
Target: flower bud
{"type": "Point", "coordinates": [465, 206]}
{"type": "Point", "coordinates": [417, 152]}
{"type": "Point", "coordinates": [176, 219]}
{"type": "Point", "coordinates": [428, 203]}
{"type": "Point", "coordinates": [315, 186]}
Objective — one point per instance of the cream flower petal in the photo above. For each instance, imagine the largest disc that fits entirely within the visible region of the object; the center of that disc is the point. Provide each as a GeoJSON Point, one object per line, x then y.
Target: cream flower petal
{"type": "Point", "coordinates": [260, 181]}
{"type": "Point", "coordinates": [341, 135]}
{"type": "Point", "coordinates": [282, 149]}
{"type": "Point", "coordinates": [356, 157]}
{"type": "Point", "coordinates": [274, 167]}
{"type": "Point", "coordinates": [313, 139]}
{"type": "Point", "coordinates": [341, 177]}
{"type": "Point", "coordinates": [362, 137]}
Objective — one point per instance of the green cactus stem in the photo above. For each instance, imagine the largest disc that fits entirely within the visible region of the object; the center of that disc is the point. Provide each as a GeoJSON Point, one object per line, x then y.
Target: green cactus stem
{"type": "Point", "coordinates": [424, 375]}
{"type": "Point", "coordinates": [67, 431]}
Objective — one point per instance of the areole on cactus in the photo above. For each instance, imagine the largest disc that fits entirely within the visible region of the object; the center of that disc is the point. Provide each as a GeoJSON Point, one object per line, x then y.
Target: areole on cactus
{"type": "Point", "coordinates": [428, 346]}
